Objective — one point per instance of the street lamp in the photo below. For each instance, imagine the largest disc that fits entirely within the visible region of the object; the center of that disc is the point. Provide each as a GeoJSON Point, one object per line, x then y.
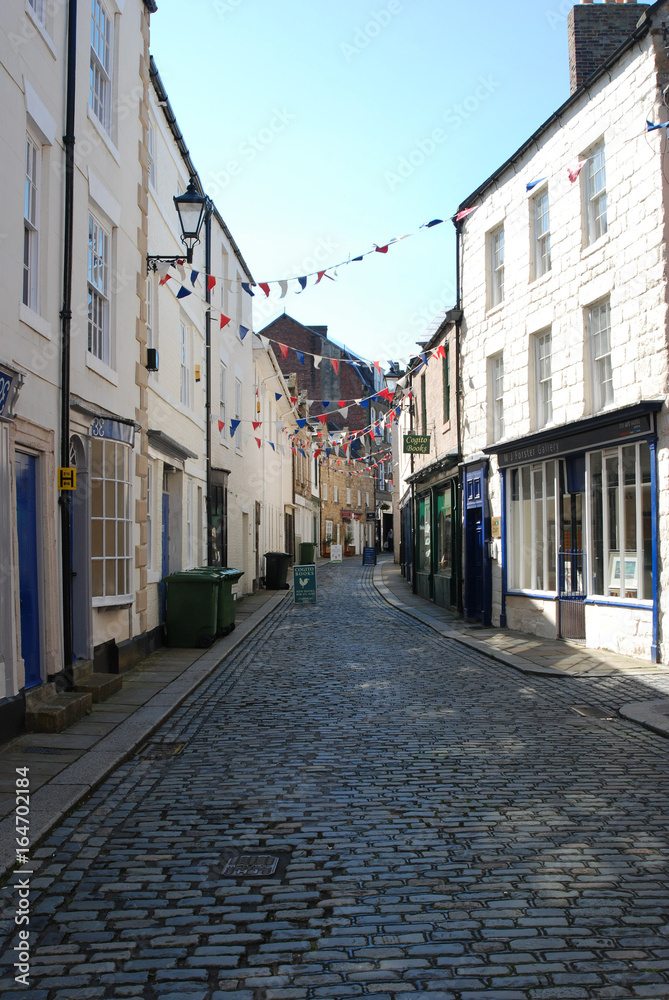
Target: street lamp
{"type": "Point", "coordinates": [192, 208]}
{"type": "Point", "coordinates": [392, 376]}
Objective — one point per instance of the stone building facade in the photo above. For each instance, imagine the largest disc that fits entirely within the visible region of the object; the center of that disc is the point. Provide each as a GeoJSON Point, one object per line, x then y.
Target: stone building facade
{"type": "Point", "coordinates": [564, 358]}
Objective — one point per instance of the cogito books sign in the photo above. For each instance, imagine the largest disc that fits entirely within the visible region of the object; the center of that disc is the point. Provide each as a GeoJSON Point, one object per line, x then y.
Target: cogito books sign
{"type": "Point", "coordinates": [304, 584]}
{"type": "Point", "coordinates": [416, 444]}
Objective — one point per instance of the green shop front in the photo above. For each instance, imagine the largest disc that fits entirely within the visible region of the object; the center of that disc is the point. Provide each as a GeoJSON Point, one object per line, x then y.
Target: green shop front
{"type": "Point", "coordinates": [437, 574]}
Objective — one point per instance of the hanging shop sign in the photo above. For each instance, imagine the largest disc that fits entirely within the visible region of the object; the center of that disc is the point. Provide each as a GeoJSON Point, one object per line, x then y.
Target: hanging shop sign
{"type": "Point", "coordinates": [11, 381]}
{"type": "Point", "coordinates": [113, 430]}
{"type": "Point", "coordinates": [370, 515]}
{"type": "Point", "coordinates": [416, 444]}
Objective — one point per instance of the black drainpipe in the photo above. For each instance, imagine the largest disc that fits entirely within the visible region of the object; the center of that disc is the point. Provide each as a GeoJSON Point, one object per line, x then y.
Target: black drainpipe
{"type": "Point", "coordinates": [207, 375]}
{"type": "Point", "coordinates": [65, 498]}
{"type": "Point", "coordinates": [458, 325]}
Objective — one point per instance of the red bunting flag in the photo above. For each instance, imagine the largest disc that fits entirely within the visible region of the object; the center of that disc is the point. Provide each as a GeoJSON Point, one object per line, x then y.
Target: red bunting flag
{"type": "Point", "coordinates": [293, 399]}
{"type": "Point", "coordinates": [256, 424]}
{"type": "Point", "coordinates": [258, 442]}
{"type": "Point", "coordinates": [335, 365]}
{"type": "Point", "coordinates": [320, 276]}
{"type": "Point", "coordinates": [221, 425]}
{"type": "Point", "coordinates": [284, 350]}
{"type": "Point", "coordinates": [465, 212]}
{"type": "Point", "coordinates": [165, 279]}
{"type": "Point", "coordinates": [265, 287]}
{"type": "Point", "coordinates": [323, 417]}
{"type": "Point", "coordinates": [573, 174]}
{"type": "Point", "coordinates": [382, 249]}
{"type": "Point", "coordinates": [211, 281]}
{"type": "Point", "coordinates": [342, 404]}
{"type": "Point", "coordinates": [377, 366]}
{"type": "Point", "coordinates": [224, 320]}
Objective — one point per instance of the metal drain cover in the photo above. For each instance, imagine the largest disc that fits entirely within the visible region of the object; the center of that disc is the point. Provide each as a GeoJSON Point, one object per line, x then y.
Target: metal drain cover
{"type": "Point", "coordinates": [160, 751]}
{"type": "Point", "coordinates": [251, 864]}
{"type": "Point", "coordinates": [590, 712]}
{"type": "Point", "coordinates": [46, 750]}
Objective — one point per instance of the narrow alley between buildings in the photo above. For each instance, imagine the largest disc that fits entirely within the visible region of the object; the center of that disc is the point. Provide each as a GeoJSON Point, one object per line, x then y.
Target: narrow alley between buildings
{"type": "Point", "coordinates": [353, 805]}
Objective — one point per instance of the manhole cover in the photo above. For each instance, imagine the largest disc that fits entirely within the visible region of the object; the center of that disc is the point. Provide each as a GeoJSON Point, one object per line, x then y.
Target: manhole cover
{"type": "Point", "coordinates": [160, 751]}
{"type": "Point", "coordinates": [45, 750]}
{"type": "Point", "coordinates": [590, 712]}
{"type": "Point", "coordinates": [251, 864]}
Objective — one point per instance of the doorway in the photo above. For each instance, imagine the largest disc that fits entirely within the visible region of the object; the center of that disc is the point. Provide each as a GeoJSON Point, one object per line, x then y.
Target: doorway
{"type": "Point", "coordinates": [28, 546]}
{"type": "Point", "coordinates": [80, 518]}
{"type": "Point", "coordinates": [571, 569]}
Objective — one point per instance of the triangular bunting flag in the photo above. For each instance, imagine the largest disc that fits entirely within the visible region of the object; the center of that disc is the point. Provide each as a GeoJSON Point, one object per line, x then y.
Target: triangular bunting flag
{"type": "Point", "coordinates": [317, 360]}
{"type": "Point", "coordinates": [234, 424]}
{"type": "Point", "coordinates": [300, 356]}
{"type": "Point", "coordinates": [211, 282]}
{"type": "Point", "coordinates": [256, 424]}
{"type": "Point", "coordinates": [258, 442]}
{"type": "Point", "coordinates": [243, 330]}
{"type": "Point", "coordinates": [165, 279]}
{"type": "Point", "coordinates": [271, 446]}
{"type": "Point", "coordinates": [265, 287]}
{"type": "Point", "coordinates": [278, 396]}
{"type": "Point", "coordinates": [303, 284]}
{"type": "Point", "coordinates": [284, 350]}
{"type": "Point", "coordinates": [193, 277]}
{"type": "Point", "coordinates": [183, 292]}
{"type": "Point", "coordinates": [221, 425]}
{"type": "Point", "coordinates": [335, 365]}
{"type": "Point", "coordinates": [224, 320]}
{"type": "Point", "coordinates": [247, 288]}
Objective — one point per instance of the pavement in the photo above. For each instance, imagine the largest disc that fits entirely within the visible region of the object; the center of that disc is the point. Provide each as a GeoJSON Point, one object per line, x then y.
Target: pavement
{"type": "Point", "coordinates": [352, 801]}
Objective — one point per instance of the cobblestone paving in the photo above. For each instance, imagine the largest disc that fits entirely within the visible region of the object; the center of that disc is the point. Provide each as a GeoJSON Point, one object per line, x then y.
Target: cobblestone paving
{"type": "Point", "coordinates": [445, 828]}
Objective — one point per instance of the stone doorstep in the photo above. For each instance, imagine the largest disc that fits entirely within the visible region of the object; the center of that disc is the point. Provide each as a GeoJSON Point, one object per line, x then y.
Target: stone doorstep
{"type": "Point", "coordinates": [100, 686]}
{"type": "Point", "coordinates": [56, 713]}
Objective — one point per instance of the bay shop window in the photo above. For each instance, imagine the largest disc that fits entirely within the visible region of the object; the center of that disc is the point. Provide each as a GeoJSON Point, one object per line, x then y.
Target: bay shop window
{"type": "Point", "coordinates": [605, 514]}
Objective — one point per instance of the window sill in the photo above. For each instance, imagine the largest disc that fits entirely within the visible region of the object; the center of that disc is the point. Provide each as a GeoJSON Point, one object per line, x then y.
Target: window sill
{"type": "Point", "coordinates": [46, 37]}
{"type": "Point", "coordinates": [125, 601]}
{"type": "Point", "coordinates": [538, 595]}
{"type": "Point", "coordinates": [493, 310]}
{"type": "Point", "coordinates": [101, 369]}
{"type": "Point", "coordinates": [35, 321]}
{"type": "Point", "coordinates": [542, 279]}
{"type": "Point", "coordinates": [100, 129]}
{"type": "Point", "coordinates": [617, 602]}
{"type": "Point", "coordinates": [591, 248]}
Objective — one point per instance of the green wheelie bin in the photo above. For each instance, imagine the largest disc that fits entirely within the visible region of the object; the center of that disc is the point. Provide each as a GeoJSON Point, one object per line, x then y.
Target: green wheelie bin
{"type": "Point", "coordinates": [227, 605]}
{"type": "Point", "coordinates": [307, 553]}
{"type": "Point", "coordinates": [192, 609]}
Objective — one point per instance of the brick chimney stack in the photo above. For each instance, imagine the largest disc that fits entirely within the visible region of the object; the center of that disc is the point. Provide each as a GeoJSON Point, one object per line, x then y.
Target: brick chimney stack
{"type": "Point", "coordinates": [595, 32]}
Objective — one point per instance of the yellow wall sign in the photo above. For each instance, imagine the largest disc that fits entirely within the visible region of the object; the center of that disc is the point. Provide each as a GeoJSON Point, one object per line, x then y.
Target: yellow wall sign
{"type": "Point", "coordinates": [495, 527]}
{"type": "Point", "coordinates": [67, 479]}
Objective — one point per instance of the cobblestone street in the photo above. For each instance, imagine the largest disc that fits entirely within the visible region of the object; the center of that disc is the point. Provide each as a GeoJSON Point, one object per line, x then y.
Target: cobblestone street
{"type": "Point", "coordinates": [442, 826]}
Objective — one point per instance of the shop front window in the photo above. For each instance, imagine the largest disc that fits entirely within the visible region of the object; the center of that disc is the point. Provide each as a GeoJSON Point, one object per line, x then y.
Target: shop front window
{"type": "Point", "coordinates": [621, 522]}
{"type": "Point", "coordinates": [424, 536]}
{"type": "Point", "coordinates": [445, 533]}
{"type": "Point", "coordinates": [532, 527]}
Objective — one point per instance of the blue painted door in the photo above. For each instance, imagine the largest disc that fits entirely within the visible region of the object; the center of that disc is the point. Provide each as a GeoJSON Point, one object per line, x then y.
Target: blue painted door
{"type": "Point", "coordinates": [26, 518]}
{"type": "Point", "coordinates": [165, 547]}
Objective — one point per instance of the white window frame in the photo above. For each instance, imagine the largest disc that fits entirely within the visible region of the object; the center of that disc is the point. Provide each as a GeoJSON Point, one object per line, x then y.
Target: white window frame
{"type": "Point", "coordinates": [496, 266]}
{"type": "Point", "coordinates": [38, 8]}
{"type": "Point", "coordinates": [324, 491]}
{"type": "Point", "coordinates": [598, 320]}
{"type": "Point", "coordinates": [190, 527]}
{"type": "Point", "coordinates": [497, 395]}
{"type": "Point", "coordinates": [150, 311]}
{"type": "Point", "coordinates": [348, 496]}
{"type": "Point", "coordinates": [541, 233]}
{"type": "Point", "coordinates": [527, 510]}
{"type": "Point", "coordinates": [618, 509]}
{"type": "Point", "coordinates": [102, 60]}
{"type": "Point", "coordinates": [223, 403]}
{"type": "Point", "coordinates": [185, 366]}
{"type": "Point", "coordinates": [335, 490]}
{"type": "Point", "coordinates": [366, 499]}
{"type": "Point", "coordinates": [151, 149]}
{"type": "Point", "coordinates": [238, 413]}
{"type": "Point", "coordinates": [31, 210]}
{"type": "Point", "coordinates": [595, 194]}
{"type": "Point", "coordinates": [382, 476]}
{"type": "Point", "coordinates": [359, 498]}
{"type": "Point", "coordinates": [112, 489]}
{"type": "Point", "coordinates": [543, 378]}
{"type": "Point", "coordinates": [149, 512]}
{"type": "Point", "coordinates": [99, 291]}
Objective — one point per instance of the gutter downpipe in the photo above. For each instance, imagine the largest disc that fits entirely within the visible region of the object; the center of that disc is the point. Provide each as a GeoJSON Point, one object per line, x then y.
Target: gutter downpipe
{"type": "Point", "coordinates": [458, 324]}
{"type": "Point", "coordinates": [207, 368]}
{"type": "Point", "coordinates": [65, 498]}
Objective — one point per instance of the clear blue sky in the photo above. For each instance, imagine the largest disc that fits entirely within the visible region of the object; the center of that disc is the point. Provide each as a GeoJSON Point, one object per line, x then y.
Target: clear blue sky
{"type": "Point", "coordinates": [318, 105]}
